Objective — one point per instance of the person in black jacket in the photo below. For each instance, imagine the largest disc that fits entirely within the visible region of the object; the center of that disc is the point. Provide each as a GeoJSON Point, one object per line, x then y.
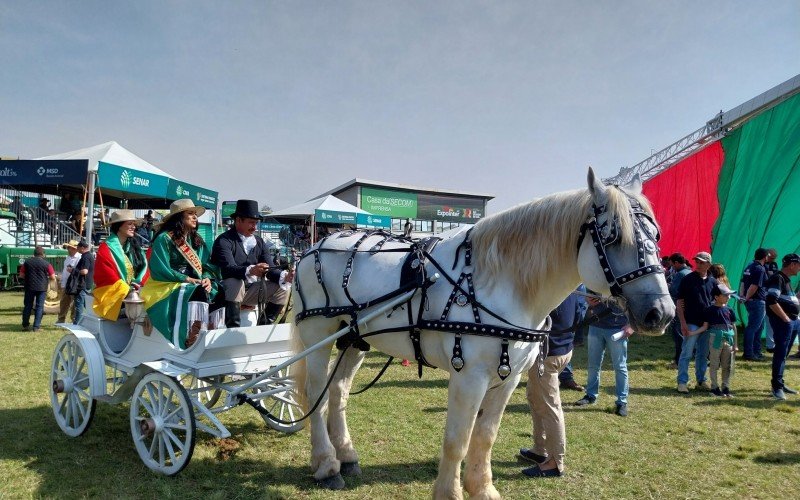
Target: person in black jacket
{"type": "Point", "coordinates": [782, 312]}
{"type": "Point", "coordinates": [37, 273]}
{"type": "Point", "coordinates": [244, 259]}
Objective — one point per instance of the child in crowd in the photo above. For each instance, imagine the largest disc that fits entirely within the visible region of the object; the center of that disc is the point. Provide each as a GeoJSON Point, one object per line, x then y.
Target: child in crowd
{"type": "Point", "coordinates": [719, 320]}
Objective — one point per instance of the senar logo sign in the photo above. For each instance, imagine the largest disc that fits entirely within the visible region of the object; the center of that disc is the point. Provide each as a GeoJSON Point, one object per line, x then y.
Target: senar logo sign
{"type": "Point", "coordinates": [125, 179]}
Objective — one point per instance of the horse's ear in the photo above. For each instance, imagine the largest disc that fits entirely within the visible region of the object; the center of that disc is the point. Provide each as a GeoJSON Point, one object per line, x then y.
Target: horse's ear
{"type": "Point", "coordinates": [635, 186]}
{"type": "Point", "coordinates": [596, 186]}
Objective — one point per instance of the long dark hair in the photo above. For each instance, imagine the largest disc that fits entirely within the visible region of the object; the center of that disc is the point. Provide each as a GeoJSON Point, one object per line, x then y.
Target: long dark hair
{"type": "Point", "coordinates": [137, 259]}
{"type": "Point", "coordinates": [175, 227]}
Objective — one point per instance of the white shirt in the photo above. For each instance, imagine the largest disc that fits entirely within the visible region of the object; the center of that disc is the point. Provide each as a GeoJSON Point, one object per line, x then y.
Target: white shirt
{"type": "Point", "coordinates": [71, 260]}
{"type": "Point", "coordinates": [249, 243]}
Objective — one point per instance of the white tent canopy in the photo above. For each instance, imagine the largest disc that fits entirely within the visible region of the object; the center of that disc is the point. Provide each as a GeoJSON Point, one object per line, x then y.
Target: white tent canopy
{"type": "Point", "coordinates": [307, 209]}
{"type": "Point", "coordinates": [109, 152]}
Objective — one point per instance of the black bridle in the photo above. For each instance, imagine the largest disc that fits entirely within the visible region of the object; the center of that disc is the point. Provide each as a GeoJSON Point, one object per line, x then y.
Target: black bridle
{"type": "Point", "coordinates": [606, 234]}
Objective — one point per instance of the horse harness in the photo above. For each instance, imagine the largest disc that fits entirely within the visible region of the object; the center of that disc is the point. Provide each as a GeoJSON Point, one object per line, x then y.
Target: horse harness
{"type": "Point", "coordinates": [606, 234]}
{"type": "Point", "coordinates": [414, 276]}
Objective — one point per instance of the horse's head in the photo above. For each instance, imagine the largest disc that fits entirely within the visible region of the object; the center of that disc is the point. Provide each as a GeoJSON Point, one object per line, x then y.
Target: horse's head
{"type": "Point", "coordinates": [618, 255]}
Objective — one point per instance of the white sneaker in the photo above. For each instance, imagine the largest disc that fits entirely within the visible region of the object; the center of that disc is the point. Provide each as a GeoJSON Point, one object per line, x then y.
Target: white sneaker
{"type": "Point", "coordinates": [683, 389]}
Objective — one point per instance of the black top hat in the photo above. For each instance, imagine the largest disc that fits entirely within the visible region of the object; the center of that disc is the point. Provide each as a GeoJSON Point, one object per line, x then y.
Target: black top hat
{"type": "Point", "coordinates": [247, 209]}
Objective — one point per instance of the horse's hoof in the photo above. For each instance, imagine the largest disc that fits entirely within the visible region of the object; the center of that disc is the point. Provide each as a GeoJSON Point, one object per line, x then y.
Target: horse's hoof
{"type": "Point", "coordinates": [350, 469]}
{"type": "Point", "coordinates": [332, 483]}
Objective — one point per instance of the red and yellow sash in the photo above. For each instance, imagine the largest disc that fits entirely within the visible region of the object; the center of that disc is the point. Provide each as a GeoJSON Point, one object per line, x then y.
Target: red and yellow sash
{"type": "Point", "coordinates": [191, 257]}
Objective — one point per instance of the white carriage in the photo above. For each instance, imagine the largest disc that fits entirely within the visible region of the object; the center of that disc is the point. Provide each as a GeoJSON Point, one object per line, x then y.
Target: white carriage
{"type": "Point", "coordinates": [173, 393]}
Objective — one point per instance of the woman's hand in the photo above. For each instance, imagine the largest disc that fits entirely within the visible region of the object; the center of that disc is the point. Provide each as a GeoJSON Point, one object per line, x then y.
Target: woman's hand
{"type": "Point", "coordinates": [206, 284]}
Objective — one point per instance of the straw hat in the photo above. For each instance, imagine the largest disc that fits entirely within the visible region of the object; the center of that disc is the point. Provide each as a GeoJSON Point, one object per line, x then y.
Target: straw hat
{"type": "Point", "coordinates": [122, 216]}
{"type": "Point", "coordinates": [180, 206]}
{"type": "Point", "coordinates": [70, 244]}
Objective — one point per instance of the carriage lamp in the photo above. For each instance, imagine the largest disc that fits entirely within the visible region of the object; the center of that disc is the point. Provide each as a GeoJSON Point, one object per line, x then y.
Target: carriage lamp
{"type": "Point", "coordinates": [134, 306]}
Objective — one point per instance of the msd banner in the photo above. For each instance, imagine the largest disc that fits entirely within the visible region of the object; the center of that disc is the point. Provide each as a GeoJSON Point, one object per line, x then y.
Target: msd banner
{"type": "Point", "coordinates": [38, 172]}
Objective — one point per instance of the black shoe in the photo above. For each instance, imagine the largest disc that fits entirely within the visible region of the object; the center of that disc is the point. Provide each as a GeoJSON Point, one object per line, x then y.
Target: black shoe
{"type": "Point", "coordinates": [571, 385]}
{"type": "Point", "coordinates": [622, 409]}
{"type": "Point", "coordinates": [795, 355]}
{"type": "Point", "coordinates": [529, 456]}
{"type": "Point", "coordinates": [727, 392]}
{"type": "Point", "coordinates": [752, 358]}
{"type": "Point", "coordinates": [789, 391]}
{"type": "Point", "coordinates": [770, 350]}
{"type": "Point", "coordinates": [535, 471]}
{"type": "Point", "coordinates": [716, 392]}
{"type": "Point", "coordinates": [584, 401]}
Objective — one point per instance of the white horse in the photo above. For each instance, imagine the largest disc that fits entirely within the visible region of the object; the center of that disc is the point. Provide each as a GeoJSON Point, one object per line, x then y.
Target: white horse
{"type": "Point", "coordinates": [525, 261]}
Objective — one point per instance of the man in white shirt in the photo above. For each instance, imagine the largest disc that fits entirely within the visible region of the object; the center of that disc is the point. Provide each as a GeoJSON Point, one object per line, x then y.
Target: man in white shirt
{"type": "Point", "coordinates": [70, 262]}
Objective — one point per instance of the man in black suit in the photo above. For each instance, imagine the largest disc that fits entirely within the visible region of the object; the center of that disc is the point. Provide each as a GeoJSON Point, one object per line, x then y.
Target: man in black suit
{"type": "Point", "coordinates": [244, 259]}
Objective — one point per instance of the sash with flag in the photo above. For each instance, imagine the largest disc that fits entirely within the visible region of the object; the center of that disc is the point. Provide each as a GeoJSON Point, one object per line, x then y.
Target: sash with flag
{"type": "Point", "coordinates": [113, 275]}
{"type": "Point", "coordinates": [167, 294]}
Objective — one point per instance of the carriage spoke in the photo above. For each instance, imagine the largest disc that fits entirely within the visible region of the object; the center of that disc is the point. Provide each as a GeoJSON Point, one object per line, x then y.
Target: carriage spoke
{"type": "Point", "coordinates": [172, 437]}
{"type": "Point", "coordinates": [63, 405]}
{"type": "Point", "coordinates": [152, 449]}
{"type": "Point", "coordinates": [73, 411]}
{"type": "Point", "coordinates": [170, 450]}
{"type": "Point", "coordinates": [80, 366]}
{"type": "Point", "coordinates": [145, 405]}
{"type": "Point", "coordinates": [180, 426]}
{"type": "Point", "coordinates": [172, 414]}
{"type": "Point", "coordinates": [153, 407]}
{"type": "Point", "coordinates": [160, 439]}
{"type": "Point", "coordinates": [80, 406]}
{"type": "Point", "coordinates": [167, 402]}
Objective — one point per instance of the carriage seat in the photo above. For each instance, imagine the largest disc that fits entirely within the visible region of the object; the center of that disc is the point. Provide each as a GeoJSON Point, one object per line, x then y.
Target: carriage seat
{"type": "Point", "coordinates": [114, 336]}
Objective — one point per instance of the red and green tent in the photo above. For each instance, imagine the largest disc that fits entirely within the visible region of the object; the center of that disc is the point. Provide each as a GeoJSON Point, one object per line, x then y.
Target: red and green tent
{"type": "Point", "coordinates": [739, 193]}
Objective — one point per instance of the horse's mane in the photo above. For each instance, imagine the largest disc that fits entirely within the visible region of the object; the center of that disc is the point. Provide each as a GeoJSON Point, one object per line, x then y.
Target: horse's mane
{"type": "Point", "coordinates": [532, 241]}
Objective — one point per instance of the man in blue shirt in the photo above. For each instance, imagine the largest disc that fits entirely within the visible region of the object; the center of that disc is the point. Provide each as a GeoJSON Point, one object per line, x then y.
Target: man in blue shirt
{"type": "Point", "coordinates": [753, 294]}
{"type": "Point", "coordinates": [680, 268]}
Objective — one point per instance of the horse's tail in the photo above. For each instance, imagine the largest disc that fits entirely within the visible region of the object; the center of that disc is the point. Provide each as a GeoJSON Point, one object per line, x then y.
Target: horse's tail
{"type": "Point", "coordinates": [299, 368]}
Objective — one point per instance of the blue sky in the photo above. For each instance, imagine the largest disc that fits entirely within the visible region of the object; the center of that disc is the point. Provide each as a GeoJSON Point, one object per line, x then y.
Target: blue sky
{"type": "Point", "coordinates": [281, 101]}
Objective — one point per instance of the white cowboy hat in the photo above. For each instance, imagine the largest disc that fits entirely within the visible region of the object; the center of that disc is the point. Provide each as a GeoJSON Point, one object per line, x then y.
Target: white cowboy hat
{"type": "Point", "coordinates": [122, 216]}
{"type": "Point", "coordinates": [180, 206]}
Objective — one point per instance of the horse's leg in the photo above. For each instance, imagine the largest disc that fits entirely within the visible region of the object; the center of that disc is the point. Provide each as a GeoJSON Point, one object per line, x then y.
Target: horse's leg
{"type": "Point", "coordinates": [337, 418]}
{"type": "Point", "coordinates": [323, 454]}
{"type": "Point", "coordinates": [478, 468]}
{"type": "Point", "coordinates": [464, 395]}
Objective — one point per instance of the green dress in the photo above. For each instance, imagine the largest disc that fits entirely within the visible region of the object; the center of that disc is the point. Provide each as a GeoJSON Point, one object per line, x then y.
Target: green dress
{"type": "Point", "coordinates": [167, 294]}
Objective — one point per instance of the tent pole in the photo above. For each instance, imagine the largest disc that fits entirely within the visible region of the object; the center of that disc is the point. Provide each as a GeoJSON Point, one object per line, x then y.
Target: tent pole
{"type": "Point", "coordinates": [90, 213]}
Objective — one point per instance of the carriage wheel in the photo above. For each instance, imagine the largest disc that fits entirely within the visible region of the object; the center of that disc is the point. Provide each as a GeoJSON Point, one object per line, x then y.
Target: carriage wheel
{"type": "Point", "coordinates": [283, 404]}
{"type": "Point", "coordinates": [70, 394]}
{"type": "Point", "coordinates": [162, 423]}
{"type": "Point", "coordinates": [208, 397]}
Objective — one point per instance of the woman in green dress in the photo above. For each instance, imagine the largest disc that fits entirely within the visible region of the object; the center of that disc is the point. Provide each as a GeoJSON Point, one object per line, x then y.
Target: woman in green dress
{"type": "Point", "coordinates": [182, 281]}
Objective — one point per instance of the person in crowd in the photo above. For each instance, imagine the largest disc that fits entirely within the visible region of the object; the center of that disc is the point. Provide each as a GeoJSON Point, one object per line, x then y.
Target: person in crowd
{"type": "Point", "coordinates": [782, 313]}
{"type": "Point", "coordinates": [666, 264]}
{"type": "Point", "coordinates": [69, 265]}
{"type": "Point", "coordinates": [37, 274]}
{"type": "Point", "coordinates": [610, 331]}
{"type": "Point", "coordinates": [17, 208]}
{"type": "Point", "coordinates": [694, 296]}
{"type": "Point", "coordinates": [407, 228]}
{"type": "Point", "coordinates": [544, 397]}
{"type": "Point", "coordinates": [44, 204]}
{"type": "Point", "coordinates": [753, 293]}
{"type": "Point", "coordinates": [85, 270]}
{"type": "Point", "coordinates": [720, 274]}
{"type": "Point", "coordinates": [182, 280]}
{"type": "Point", "coordinates": [65, 207]}
{"type": "Point", "coordinates": [243, 259]}
{"type": "Point", "coordinates": [680, 268]}
{"type": "Point", "coordinates": [120, 266]}
{"type": "Point", "coordinates": [149, 224]}
{"type": "Point", "coordinates": [719, 320]}
{"type": "Point", "coordinates": [566, 378]}
{"type": "Point", "coordinates": [771, 267]}
{"type": "Point", "coordinates": [50, 220]}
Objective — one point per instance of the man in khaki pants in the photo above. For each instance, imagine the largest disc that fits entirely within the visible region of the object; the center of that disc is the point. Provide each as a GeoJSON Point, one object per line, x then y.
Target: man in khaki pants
{"type": "Point", "coordinates": [70, 262]}
{"type": "Point", "coordinates": [544, 397]}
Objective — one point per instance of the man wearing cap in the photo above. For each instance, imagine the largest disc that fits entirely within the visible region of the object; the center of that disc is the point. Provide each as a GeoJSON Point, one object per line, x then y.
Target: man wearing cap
{"type": "Point", "coordinates": [70, 262]}
{"type": "Point", "coordinates": [753, 294]}
{"type": "Point", "coordinates": [782, 311]}
{"type": "Point", "coordinates": [243, 259]}
{"type": "Point", "coordinates": [694, 296]}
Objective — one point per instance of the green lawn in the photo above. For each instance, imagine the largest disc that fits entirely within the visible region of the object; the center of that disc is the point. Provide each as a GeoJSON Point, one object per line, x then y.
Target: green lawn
{"type": "Point", "coordinates": [671, 446]}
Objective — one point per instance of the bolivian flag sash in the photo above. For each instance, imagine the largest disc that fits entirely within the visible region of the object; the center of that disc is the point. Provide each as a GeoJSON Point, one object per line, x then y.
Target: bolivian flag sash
{"type": "Point", "coordinates": [191, 257]}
